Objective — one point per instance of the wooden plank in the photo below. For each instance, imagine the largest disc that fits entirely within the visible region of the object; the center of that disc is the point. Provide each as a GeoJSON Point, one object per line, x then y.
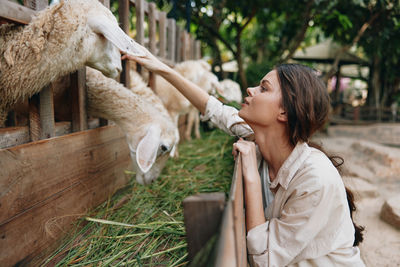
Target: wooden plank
{"type": "Point", "coordinates": [123, 11]}
{"type": "Point", "coordinates": [226, 244]}
{"type": "Point", "coordinates": [197, 49]}
{"type": "Point", "coordinates": [41, 194]}
{"type": "Point", "coordinates": [34, 118]}
{"type": "Point", "coordinates": [171, 40]}
{"type": "Point", "coordinates": [239, 222]}
{"type": "Point", "coordinates": [163, 34]}
{"type": "Point", "coordinates": [78, 100]}
{"type": "Point", "coordinates": [178, 43]}
{"type": "Point", "coordinates": [46, 111]}
{"type": "Point", "coordinates": [152, 39]}
{"type": "Point", "coordinates": [139, 6]}
{"type": "Point", "coordinates": [15, 12]}
{"type": "Point", "coordinates": [13, 136]}
{"type": "Point", "coordinates": [202, 215]}
{"type": "Point", "coordinates": [184, 42]}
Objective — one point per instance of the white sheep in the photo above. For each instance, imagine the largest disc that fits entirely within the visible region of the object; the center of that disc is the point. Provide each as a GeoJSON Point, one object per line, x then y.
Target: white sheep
{"type": "Point", "coordinates": [59, 40]}
{"type": "Point", "coordinates": [197, 71]}
{"type": "Point", "coordinates": [230, 91]}
{"type": "Point", "coordinates": [151, 134]}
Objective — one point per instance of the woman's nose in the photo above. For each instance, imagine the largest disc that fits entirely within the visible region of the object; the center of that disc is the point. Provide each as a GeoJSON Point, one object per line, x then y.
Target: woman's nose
{"type": "Point", "coordinates": [250, 91]}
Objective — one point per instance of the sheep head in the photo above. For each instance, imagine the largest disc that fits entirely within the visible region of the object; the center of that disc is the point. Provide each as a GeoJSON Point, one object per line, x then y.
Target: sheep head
{"type": "Point", "coordinates": [150, 151]}
{"type": "Point", "coordinates": [107, 40]}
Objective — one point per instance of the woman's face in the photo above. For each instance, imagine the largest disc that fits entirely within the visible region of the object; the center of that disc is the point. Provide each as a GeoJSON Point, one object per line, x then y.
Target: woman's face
{"type": "Point", "coordinates": [263, 106]}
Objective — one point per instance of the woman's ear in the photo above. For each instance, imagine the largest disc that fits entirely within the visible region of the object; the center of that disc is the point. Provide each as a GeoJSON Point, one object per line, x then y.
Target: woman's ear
{"type": "Point", "coordinates": [282, 115]}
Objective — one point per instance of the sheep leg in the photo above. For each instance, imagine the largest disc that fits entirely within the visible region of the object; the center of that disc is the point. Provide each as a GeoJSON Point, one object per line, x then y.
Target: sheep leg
{"type": "Point", "coordinates": [189, 125]}
{"type": "Point", "coordinates": [197, 125]}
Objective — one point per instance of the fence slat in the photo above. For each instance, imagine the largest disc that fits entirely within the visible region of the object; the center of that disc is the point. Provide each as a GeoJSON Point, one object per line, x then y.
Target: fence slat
{"type": "Point", "coordinates": [78, 97]}
{"type": "Point", "coordinates": [16, 12]}
{"type": "Point", "coordinates": [171, 39]}
{"type": "Point", "coordinates": [123, 12]}
{"type": "Point", "coordinates": [139, 4]}
{"type": "Point", "coordinates": [178, 43]}
{"type": "Point", "coordinates": [46, 111]}
{"type": "Point", "coordinates": [202, 216]}
{"type": "Point", "coordinates": [163, 34]}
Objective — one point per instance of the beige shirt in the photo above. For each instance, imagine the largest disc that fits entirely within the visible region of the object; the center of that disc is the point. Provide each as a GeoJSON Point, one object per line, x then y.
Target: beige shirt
{"type": "Point", "coordinates": [308, 219]}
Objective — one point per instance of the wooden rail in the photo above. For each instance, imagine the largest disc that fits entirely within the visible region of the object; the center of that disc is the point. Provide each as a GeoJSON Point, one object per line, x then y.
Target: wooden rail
{"type": "Point", "coordinates": [202, 214]}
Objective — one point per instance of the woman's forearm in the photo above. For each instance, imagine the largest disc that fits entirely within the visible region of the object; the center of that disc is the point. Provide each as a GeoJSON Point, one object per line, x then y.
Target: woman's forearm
{"type": "Point", "coordinates": [190, 90]}
{"type": "Point", "coordinates": [254, 205]}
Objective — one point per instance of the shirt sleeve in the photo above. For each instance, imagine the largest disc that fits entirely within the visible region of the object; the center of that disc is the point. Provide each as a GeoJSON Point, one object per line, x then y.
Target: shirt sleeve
{"type": "Point", "coordinates": [226, 118]}
{"type": "Point", "coordinates": [279, 241]}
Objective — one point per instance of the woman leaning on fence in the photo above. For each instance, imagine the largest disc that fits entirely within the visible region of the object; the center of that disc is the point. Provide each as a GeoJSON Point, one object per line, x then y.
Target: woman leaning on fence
{"type": "Point", "coordinates": [298, 211]}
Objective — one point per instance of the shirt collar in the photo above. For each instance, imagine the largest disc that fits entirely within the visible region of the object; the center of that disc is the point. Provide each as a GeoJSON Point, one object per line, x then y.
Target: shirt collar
{"type": "Point", "coordinates": [291, 165]}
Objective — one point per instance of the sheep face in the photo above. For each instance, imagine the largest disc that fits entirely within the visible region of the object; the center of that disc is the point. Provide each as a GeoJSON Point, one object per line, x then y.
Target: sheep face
{"type": "Point", "coordinates": [105, 56]}
{"type": "Point", "coordinates": [150, 152]}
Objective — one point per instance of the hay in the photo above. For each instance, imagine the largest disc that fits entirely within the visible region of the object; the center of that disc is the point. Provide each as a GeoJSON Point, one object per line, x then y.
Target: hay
{"type": "Point", "coordinates": [143, 225]}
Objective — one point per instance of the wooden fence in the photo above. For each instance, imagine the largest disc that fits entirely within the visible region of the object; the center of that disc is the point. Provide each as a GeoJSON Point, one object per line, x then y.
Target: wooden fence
{"type": "Point", "coordinates": [206, 217]}
{"type": "Point", "coordinates": [53, 172]}
{"type": "Point", "coordinates": [366, 114]}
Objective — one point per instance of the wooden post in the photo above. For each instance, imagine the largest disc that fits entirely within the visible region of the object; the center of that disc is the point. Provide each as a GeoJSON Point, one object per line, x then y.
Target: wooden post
{"type": "Point", "coordinates": [123, 11]}
{"type": "Point", "coordinates": [178, 43]}
{"type": "Point", "coordinates": [184, 41]}
{"type": "Point", "coordinates": [139, 5]}
{"type": "Point", "coordinates": [163, 34]}
{"type": "Point", "coordinates": [152, 40]}
{"type": "Point", "coordinates": [202, 215]}
{"type": "Point", "coordinates": [46, 111]}
{"type": "Point", "coordinates": [78, 97]}
{"type": "Point", "coordinates": [171, 40]}
{"type": "Point", "coordinates": [34, 118]}
{"type": "Point", "coordinates": [197, 49]}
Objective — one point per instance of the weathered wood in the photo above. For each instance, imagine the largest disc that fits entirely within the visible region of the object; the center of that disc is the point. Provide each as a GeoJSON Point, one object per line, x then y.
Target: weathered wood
{"type": "Point", "coordinates": [46, 111]}
{"type": "Point", "coordinates": [78, 100]}
{"type": "Point", "coordinates": [13, 136]}
{"type": "Point", "coordinates": [34, 118]}
{"type": "Point", "coordinates": [171, 39]}
{"type": "Point", "coordinates": [163, 34]}
{"type": "Point", "coordinates": [46, 185]}
{"type": "Point", "coordinates": [232, 249]}
{"type": "Point", "coordinates": [178, 43]}
{"type": "Point", "coordinates": [197, 49]}
{"type": "Point", "coordinates": [202, 215]}
{"type": "Point", "coordinates": [237, 195]}
{"type": "Point", "coordinates": [36, 4]}
{"type": "Point", "coordinates": [123, 11]}
{"type": "Point", "coordinates": [15, 12]}
{"type": "Point", "coordinates": [139, 6]}
{"type": "Point", "coordinates": [152, 39]}
{"type": "Point", "coordinates": [184, 46]}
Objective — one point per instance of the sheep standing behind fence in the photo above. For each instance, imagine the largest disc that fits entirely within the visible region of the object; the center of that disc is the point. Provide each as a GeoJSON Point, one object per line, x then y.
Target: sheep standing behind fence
{"type": "Point", "coordinates": [150, 132]}
{"type": "Point", "coordinates": [59, 40]}
{"type": "Point", "coordinates": [231, 91]}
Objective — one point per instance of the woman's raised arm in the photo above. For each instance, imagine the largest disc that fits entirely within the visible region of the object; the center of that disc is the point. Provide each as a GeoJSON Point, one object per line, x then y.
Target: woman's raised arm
{"type": "Point", "coordinates": [189, 89]}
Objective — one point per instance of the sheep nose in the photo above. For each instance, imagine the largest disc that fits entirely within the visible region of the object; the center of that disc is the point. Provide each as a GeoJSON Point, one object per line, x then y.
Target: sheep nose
{"type": "Point", "coordinates": [164, 148]}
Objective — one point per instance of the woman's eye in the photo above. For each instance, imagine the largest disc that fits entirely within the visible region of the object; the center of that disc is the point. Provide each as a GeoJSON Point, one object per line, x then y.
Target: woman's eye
{"type": "Point", "coordinates": [263, 89]}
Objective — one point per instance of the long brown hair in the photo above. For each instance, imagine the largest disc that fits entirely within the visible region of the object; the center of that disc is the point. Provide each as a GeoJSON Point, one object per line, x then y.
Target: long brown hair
{"type": "Point", "coordinates": [306, 101]}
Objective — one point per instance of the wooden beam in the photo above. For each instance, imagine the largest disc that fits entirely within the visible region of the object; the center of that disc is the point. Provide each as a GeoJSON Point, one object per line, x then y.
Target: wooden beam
{"type": "Point", "coordinates": [139, 6]}
{"type": "Point", "coordinates": [46, 111]}
{"type": "Point", "coordinates": [171, 40]}
{"type": "Point", "coordinates": [46, 185]}
{"type": "Point", "coordinates": [123, 11]}
{"type": "Point", "coordinates": [152, 39]}
{"type": "Point", "coordinates": [78, 99]}
{"type": "Point", "coordinates": [163, 34]}
{"type": "Point", "coordinates": [15, 12]}
{"type": "Point", "coordinates": [202, 215]}
{"type": "Point", "coordinates": [178, 43]}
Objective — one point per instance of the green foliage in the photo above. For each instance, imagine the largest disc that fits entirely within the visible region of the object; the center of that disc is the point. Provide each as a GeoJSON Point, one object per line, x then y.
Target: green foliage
{"type": "Point", "coordinates": [256, 71]}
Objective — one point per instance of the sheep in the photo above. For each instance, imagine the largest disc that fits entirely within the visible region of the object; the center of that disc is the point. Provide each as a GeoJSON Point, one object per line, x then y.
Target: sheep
{"type": "Point", "coordinates": [197, 71]}
{"type": "Point", "coordinates": [230, 91]}
{"type": "Point", "coordinates": [59, 40]}
{"type": "Point", "coordinates": [151, 134]}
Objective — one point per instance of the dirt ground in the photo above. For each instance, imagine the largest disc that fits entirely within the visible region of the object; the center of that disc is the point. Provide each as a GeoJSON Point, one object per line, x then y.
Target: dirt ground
{"type": "Point", "coordinates": [373, 172]}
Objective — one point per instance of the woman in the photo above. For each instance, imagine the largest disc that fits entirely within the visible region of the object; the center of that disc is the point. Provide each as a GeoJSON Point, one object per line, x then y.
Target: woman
{"type": "Point", "coordinates": [297, 212]}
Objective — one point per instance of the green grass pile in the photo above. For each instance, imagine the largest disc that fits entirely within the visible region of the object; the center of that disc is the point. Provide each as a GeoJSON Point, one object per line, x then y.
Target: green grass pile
{"type": "Point", "coordinates": [143, 225]}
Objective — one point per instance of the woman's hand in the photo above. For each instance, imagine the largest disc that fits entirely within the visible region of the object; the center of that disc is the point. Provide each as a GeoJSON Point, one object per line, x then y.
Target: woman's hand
{"type": "Point", "coordinates": [149, 61]}
{"type": "Point", "coordinates": [247, 151]}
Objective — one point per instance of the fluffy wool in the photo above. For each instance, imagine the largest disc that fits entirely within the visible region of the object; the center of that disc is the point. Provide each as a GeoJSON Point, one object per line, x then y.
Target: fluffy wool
{"type": "Point", "coordinates": [134, 111]}
{"type": "Point", "coordinates": [56, 42]}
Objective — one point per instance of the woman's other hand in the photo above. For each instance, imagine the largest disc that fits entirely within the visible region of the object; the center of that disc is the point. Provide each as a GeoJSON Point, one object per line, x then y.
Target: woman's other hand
{"type": "Point", "coordinates": [149, 61]}
{"type": "Point", "coordinates": [247, 151]}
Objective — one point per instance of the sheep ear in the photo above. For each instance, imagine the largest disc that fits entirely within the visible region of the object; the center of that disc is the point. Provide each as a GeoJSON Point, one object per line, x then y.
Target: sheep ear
{"type": "Point", "coordinates": [113, 33]}
{"type": "Point", "coordinates": [147, 149]}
